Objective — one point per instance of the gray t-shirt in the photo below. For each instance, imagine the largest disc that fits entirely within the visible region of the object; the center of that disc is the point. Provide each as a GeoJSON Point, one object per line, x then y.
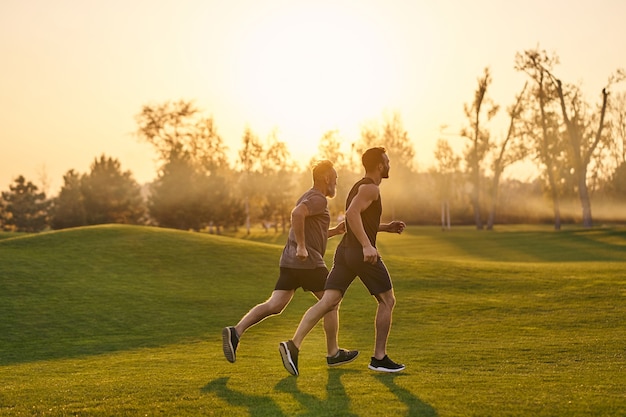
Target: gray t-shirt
{"type": "Point", "coordinates": [315, 233]}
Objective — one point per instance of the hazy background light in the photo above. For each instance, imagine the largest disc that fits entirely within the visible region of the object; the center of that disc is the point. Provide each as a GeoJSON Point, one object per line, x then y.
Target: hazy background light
{"type": "Point", "coordinates": [75, 73]}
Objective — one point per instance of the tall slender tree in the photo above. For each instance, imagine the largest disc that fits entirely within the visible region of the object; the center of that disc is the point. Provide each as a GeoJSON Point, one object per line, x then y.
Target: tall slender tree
{"type": "Point", "coordinates": [250, 156]}
{"type": "Point", "coordinates": [446, 172]}
{"type": "Point", "coordinates": [479, 139]}
{"type": "Point", "coordinates": [508, 151]}
{"type": "Point", "coordinates": [277, 172]}
{"type": "Point", "coordinates": [542, 125]}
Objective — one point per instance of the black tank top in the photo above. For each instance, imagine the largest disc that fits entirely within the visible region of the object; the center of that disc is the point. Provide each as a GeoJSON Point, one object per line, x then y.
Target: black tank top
{"type": "Point", "coordinates": [370, 217]}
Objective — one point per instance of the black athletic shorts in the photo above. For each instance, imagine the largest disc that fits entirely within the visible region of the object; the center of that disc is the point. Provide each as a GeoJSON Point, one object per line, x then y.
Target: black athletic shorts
{"type": "Point", "coordinates": [348, 264]}
{"type": "Point", "coordinates": [309, 279]}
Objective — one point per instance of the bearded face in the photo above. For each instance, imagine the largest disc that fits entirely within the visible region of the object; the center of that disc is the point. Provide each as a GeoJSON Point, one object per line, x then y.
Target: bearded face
{"type": "Point", "coordinates": [331, 186]}
{"type": "Point", "coordinates": [385, 171]}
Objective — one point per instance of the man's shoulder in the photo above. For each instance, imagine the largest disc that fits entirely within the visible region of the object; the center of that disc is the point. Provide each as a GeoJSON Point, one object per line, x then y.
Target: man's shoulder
{"type": "Point", "coordinates": [369, 189]}
{"type": "Point", "coordinates": [314, 200]}
{"type": "Point", "coordinates": [311, 194]}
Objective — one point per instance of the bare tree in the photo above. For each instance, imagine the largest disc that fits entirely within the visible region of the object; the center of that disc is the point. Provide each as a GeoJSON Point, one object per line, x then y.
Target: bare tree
{"type": "Point", "coordinates": [618, 126]}
{"type": "Point", "coordinates": [509, 151]}
{"type": "Point", "coordinates": [446, 172]}
{"type": "Point", "coordinates": [616, 148]}
{"type": "Point", "coordinates": [583, 128]}
{"type": "Point", "coordinates": [583, 138]}
{"type": "Point", "coordinates": [479, 139]}
{"type": "Point", "coordinates": [541, 121]}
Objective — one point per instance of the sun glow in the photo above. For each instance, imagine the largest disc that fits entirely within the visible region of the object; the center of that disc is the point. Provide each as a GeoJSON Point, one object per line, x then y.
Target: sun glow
{"type": "Point", "coordinates": [307, 69]}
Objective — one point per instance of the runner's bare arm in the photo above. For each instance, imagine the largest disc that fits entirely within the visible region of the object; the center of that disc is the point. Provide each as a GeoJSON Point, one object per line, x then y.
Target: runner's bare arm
{"type": "Point", "coordinates": [396, 226]}
{"type": "Point", "coordinates": [366, 195]}
{"type": "Point", "coordinates": [337, 230]}
{"type": "Point", "coordinates": [298, 214]}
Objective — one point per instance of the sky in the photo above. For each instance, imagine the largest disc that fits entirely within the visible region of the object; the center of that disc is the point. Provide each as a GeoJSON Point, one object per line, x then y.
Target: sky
{"type": "Point", "coordinates": [75, 73]}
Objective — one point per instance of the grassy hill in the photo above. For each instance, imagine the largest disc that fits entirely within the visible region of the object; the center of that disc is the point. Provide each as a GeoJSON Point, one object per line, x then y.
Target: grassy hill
{"type": "Point", "coordinates": [96, 289]}
{"type": "Point", "coordinates": [123, 320]}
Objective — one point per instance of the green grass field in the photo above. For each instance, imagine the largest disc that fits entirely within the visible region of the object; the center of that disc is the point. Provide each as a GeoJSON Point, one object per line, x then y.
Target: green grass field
{"type": "Point", "coordinates": [126, 321]}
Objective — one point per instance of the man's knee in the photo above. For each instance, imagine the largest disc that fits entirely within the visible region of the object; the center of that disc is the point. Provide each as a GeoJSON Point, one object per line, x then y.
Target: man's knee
{"type": "Point", "coordinates": [331, 299]}
{"type": "Point", "coordinates": [386, 299]}
{"type": "Point", "coordinates": [277, 302]}
{"type": "Point", "coordinates": [274, 307]}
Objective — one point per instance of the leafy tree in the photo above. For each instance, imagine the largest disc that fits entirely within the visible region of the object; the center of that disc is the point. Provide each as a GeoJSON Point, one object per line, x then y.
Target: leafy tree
{"type": "Point", "coordinates": [329, 148]}
{"type": "Point", "coordinates": [479, 140]}
{"type": "Point", "coordinates": [277, 171]}
{"type": "Point", "coordinates": [104, 195]}
{"type": "Point", "coordinates": [176, 129]}
{"type": "Point", "coordinates": [179, 197]}
{"type": "Point", "coordinates": [343, 160]}
{"type": "Point", "coordinates": [26, 209]}
{"type": "Point", "coordinates": [208, 154]}
{"type": "Point", "coordinates": [110, 195]}
{"type": "Point", "coordinates": [393, 137]}
{"type": "Point", "coordinates": [190, 191]}
{"type": "Point", "coordinates": [250, 159]}
{"type": "Point", "coordinates": [225, 208]}
{"type": "Point", "coordinates": [69, 206]}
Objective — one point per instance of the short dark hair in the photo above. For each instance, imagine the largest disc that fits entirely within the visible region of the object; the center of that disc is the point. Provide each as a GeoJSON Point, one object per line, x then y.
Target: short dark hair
{"type": "Point", "coordinates": [321, 168]}
{"type": "Point", "coordinates": [372, 157]}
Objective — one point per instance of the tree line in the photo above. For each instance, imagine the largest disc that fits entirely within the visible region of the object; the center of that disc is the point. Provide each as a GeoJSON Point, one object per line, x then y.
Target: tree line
{"type": "Point", "coordinates": [579, 149]}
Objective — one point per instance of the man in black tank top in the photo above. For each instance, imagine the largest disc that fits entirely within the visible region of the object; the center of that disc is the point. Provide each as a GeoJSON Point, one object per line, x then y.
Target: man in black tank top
{"type": "Point", "coordinates": [356, 255]}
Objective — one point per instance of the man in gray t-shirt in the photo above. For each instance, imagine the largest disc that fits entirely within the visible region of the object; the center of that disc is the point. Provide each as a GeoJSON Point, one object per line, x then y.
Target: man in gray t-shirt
{"type": "Point", "coordinates": [301, 265]}
{"type": "Point", "coordinates": [315, 237]}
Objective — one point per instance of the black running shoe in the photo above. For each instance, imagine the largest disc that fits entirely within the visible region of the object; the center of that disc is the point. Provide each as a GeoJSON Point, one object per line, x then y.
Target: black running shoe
{"type": "Point", "coordinates": [289, 354]}
{"type": "Point", "coordinates": [342, 357]}
{"type": "Point", "coordinates": [385, 365]}
{"type": "Point", "coordinates": [230, 341]}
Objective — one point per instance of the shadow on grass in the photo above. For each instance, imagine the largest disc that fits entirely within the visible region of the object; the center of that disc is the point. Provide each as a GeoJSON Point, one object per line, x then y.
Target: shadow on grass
{"type": "Point", "coordinates": [336, 403]}
{"type": "Point", "coordinates": [257, 405]}
{"type": "Point", "coordinates": [416, 407]}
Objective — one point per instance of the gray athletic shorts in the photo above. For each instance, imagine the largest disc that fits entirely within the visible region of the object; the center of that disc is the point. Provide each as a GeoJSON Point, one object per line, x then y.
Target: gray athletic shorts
{"type": "Point", "coordinates": [309, 279]}
{"type": "Point", "coordinates": [348, 264]}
